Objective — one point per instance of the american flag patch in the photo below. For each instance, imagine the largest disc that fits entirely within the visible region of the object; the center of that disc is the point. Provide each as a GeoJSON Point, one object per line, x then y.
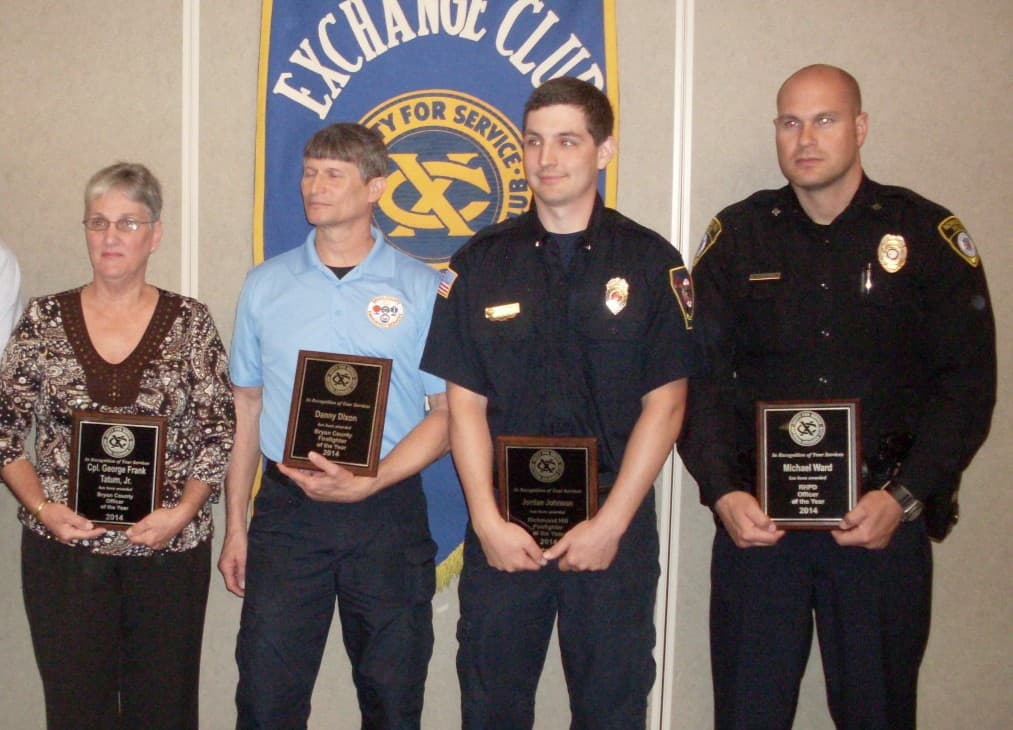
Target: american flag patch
{"type": "Point", "coordinates": [447, 278]}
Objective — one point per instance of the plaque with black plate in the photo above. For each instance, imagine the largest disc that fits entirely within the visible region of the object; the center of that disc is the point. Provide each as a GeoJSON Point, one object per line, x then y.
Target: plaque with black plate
{"type": "Point", "coordinates": [117, 466]}
{"type": "Point", "coordinates": [808, 455]}
{"type": "Point", "coordinates": [339, 404]}
{"type": "Point", "coordinates": [547, 484]}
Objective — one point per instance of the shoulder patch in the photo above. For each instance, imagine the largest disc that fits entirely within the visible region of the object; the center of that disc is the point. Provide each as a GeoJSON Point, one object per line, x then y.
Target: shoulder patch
{"type": "Point", "coordinates": [710, 237]}
{"type": "Point", "coordinates": [447, 278]}
{"type": "Point", "coordinates": [682, 286]}
{"type": "Point", "coordinates": [954, 233]}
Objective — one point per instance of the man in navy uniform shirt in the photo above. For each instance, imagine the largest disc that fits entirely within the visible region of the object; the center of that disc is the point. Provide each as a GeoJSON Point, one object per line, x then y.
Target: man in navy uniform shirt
{"type": "Point", "coordinates": [834, 287]}
{"type": "Point", "coordinates": [569, 320]}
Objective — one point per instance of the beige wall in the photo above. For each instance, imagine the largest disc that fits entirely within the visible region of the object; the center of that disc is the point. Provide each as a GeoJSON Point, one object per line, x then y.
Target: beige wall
{"type": "Point", "coordinates": [84, 84]}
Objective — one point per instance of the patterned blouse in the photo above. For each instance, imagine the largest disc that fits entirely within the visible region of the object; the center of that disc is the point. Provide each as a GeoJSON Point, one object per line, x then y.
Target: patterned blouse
{"type": "Point", "coordinates": [179, 370]}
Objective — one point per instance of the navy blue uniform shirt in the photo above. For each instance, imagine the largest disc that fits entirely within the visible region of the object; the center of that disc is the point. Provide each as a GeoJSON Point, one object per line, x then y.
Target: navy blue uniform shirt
{"type": "Point", "coordinates": [887, 304]}
{"type": "Point", "coordinates": [541, 341]}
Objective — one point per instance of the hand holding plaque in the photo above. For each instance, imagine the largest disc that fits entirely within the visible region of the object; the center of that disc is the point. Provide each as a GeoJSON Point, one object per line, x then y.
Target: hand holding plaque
{"type": "Point", "coordinates": [547, 484]}
{"type": "Point", "coordinates": [339, 403]}
{"type": "Point", "coordinates": [117, 466]}
{"type": "Point", "coordinates": [808, 456]}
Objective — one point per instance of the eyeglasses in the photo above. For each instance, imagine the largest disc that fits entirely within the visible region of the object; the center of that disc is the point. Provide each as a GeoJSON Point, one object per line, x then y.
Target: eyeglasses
{"type": "Point", "coordinates": [123, 225]}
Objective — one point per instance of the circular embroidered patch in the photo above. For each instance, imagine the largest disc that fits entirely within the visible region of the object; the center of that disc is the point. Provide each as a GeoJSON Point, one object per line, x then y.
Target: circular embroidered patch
{"type": "Point", "coordinates": [385, 311]}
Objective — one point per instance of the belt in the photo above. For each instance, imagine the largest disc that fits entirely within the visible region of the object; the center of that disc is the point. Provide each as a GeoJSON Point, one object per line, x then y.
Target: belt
{"type": "Point", "coordinates": [271, 470]}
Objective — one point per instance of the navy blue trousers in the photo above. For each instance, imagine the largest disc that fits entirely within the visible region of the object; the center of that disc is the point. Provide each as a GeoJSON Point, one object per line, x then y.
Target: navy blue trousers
{"type": "Point", "coordinates": [871, 610]}
{"type": "Point", "coordinates": [606, 635]}
{"type": "Point", "coordinates": [375, 558]}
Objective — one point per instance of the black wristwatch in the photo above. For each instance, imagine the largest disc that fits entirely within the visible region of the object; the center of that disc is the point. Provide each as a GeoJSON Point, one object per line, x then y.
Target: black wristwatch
{"type": "Point", "coordinates": [911, 505]}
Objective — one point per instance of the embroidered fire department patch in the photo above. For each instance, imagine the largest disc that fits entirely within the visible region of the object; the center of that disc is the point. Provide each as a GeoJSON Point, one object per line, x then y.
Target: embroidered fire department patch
{"type": "Point", "coordinates": [682, 286]}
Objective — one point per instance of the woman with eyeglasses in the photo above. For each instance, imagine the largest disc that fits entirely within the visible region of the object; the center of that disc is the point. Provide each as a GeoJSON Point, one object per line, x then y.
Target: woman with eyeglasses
{"type": "Point", "coordinates": [127, 388]}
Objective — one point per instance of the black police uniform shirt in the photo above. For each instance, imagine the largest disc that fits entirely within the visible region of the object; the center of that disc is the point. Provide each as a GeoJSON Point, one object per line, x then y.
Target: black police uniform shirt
{"type": "Point", "coordinates": [564, 351]}
{"type": "Point", "coordinates": [887, 304]}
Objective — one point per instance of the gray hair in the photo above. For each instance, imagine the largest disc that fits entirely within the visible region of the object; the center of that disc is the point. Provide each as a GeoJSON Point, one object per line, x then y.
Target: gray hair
{"type": "Point", "coordinates": [133, 180]}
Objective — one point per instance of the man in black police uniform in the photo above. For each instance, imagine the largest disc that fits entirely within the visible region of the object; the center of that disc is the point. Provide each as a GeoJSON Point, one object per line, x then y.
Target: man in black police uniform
{"type": "Point", "coordinates": [834, 287]}
{"type": "Point", "coordinates": [570, 320]}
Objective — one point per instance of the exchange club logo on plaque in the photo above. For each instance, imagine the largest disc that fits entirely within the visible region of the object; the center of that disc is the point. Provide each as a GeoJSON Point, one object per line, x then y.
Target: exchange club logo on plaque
{"type": "Point", "coordinates": [339, 403]}
{"type": "Point", "coordinates": [547, 484]}
{"type": "Point", "coordinates": [808, 456]}
{"type": "Point", "coordinates": [117, 465]}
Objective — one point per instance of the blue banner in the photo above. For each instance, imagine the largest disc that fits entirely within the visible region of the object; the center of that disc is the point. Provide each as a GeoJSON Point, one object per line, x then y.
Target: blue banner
{"type": "Point", "coordinates": [445, 82]}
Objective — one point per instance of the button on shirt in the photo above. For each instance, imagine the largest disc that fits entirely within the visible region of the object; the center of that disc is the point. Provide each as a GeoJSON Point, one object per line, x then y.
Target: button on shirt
{"type": "Point", "coordinates": [294, 302]}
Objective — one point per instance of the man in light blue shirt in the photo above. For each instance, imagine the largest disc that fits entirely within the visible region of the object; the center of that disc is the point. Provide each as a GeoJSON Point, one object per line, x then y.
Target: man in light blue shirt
{"type": "Point", "coordinates": [10, 293]}
{"type": "Point", "coordinates": [320, 537]}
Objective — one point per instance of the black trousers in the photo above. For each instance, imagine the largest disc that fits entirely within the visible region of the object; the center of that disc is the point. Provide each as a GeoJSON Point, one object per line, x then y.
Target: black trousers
{"type": "Point", "coordinates": [117, 639]}
{"type": "Point", "coordinates": [871, 610]}
{"type": "Point", "coordinates": [606, 635]}
{"type": "Point", "coordinates": [375, 558]}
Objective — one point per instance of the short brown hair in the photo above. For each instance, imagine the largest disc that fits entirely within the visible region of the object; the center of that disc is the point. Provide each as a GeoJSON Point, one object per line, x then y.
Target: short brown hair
{"type": "Point", "coordinates": [570, 91]}
{"type": "Point", "coordinates": [350, 142]}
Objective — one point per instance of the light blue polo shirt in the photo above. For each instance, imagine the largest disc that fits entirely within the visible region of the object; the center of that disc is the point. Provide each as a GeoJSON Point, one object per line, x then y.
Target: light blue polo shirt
{"type": "Point", "coordinates": [293, 302]}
